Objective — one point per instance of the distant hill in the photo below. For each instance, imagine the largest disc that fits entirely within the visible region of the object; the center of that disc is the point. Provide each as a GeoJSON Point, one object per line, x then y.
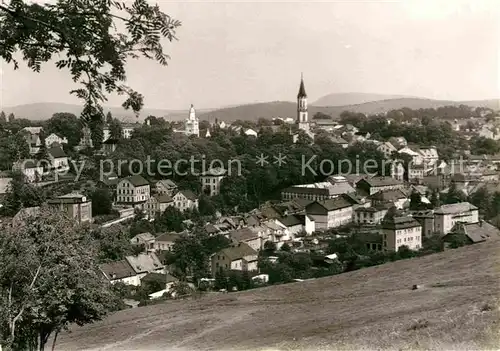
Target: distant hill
{"type": "Point", "coordinates": [288, 109]}
{"type": "Point", "coordinates": [345, 99]}
{"type": "Point", "coordinates": [45, 110]}
{"type": "Point", "coordinates": [249, 112]}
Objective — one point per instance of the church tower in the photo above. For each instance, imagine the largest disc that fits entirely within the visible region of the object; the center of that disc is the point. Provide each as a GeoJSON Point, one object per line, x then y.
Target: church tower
{"type": "Point", "coordinates": [302, 115]}
{"type": "Point", "coordinates": [192, 123]}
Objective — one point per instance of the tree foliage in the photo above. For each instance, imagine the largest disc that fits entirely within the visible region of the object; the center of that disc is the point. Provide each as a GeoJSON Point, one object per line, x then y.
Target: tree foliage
{"type": "Point", "coordinates": [49, 279]}
{"type": "Point", "coordinates": [92, 39]}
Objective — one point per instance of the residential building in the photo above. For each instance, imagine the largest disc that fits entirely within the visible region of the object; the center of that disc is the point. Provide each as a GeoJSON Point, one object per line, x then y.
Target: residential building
{"type": "Point", "coordinates": [297, 223]}
{"type": "Point", "coordinates": [133, 191]}
{"type": "Point", "coordinates": [446, 216]}
{"type": "Point", "coordinates": [387, 149]}
{"type": "Point", "coordinates": [77, 206]}
{"type": "Point", "coordinates": [375, 184]}
{"type": "Point", "coordinates": [55, 139]}
{"type": "Point", "coordinates": [397, 170]}
{"type": "Point", "coordinates": [144, 239]}
{"type": "Point", "coordinates": [335, 187]}
{"type": "Point", "coordinates": [33, 138]}
{"type": "Point", "coordinates": [166, 241]}
{"type": "Point", "coordinates": [145, 263]}
{"type": "Point", "coordinates": [430, 156]}
{"type": "Point", "coordinates": [109, 146]}
{"type": "Point", "coordinates": [398, 142]}
{"type": "Point", "coordinates": [473, 232]}
{"type": "Point", "coordinates": [185, 200]}
{"type": "Point", "coordinates": [240, 257]}
{"type": "Point", "coordinates": [31, 170]}
{"type": "Point", "coordinates": [490, 132]}
{"type": "Point", "coordinates": [416, 156]}
{"type": "Point", "coordinates": [211, 180]}
{"type": "Point", "coordinates": [58, 159]}
{"type": "Point", "coordinates": [370, 215]}
{"type": "Point", "coordinates": [86, 140]}
{"type": "Point", "coordinates": [401, 231]}
{"type": "Point", "coordinates": [339, 141]}
{"type": "Point", "coordinates": [396, 198]}
{"type": "Point", "coordinates": [128, 129]}
{"type": "Point", "coordinates": [251, 132]}
{"type": "Point", "coordinates": [166, 186]}
{"type": "Point", "coordinates": [158, 204]}
{"type": "Point", "coordinates": [416, 173]}
{"type": "Point", "coordinates": [426, 220]}
{"type": "Point", "coordinates": [247, 236]}
{"type": "Point", "coordinates": [120, 271]}
{"type": "Point", "coordinates": [330, 213]}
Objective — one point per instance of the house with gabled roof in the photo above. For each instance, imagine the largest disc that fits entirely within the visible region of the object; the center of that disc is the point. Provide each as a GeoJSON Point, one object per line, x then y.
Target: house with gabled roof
{"type": "Point", "coordinates": [147, 239]}
{"type": "Point", "coordinates": [185, 200]}
{"type": "Point", "coordinates": [145, 263]}
{"type": "Point", "coordinates": [58, 159]}
{"type": "Point", "coordinates": [31, 169]}
{"type": "Point", "coordinates": [446, 216]}
{"type": "Point", "coordinates": [373, 185]}
{"type": "Point", "coordinates": [211, 180]}
{"type": "Point", "coordinates": [166, 186]}
{"type": "Point", "coordinates": [330, 213]}
{"type": "Point", "coordinates": [166, 241]}
{"type": "Point", "coordinates": [400, 231]}
{"type": "Point", "coordinates": [240, 257]}
{"type": "Point", "coordinates": [473, 233]}
{"type": "Point", "coordinates": [120, 271]}
{"type": "Point", "coordinates": [158, 203]}
{"type": "Point", "coordinates": [133, 191]}
{"type": "Point", "coordinates": [55, 139]}
{"type": "Point", "coordinates": [247, 236]}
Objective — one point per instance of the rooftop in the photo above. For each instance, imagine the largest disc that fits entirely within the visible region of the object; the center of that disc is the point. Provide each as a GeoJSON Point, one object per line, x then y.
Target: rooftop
{"type": "Point", "coordinates": [455, 208]}
{"type": "Point", "coordinates": [238, 251]}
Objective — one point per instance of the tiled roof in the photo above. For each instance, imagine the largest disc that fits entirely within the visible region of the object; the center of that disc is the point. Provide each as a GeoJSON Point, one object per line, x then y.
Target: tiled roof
{"type": "Point", "coordinates": [388, 195]}
{"type": "Point", "coordinates": [397, 223]}
{"type": "Point", "coordinates": [188, 194]}
{"type": "Point", "coordinates": [238, 252]}
{"type": "Point", "coordinates": [335, 204]}
{"type": "Point", "coordinates": [163, 199]}
{"type": "Point", "coordinates": [144, 262]}
{"type": "Point", "coordinates": [117, 270]}
{"type": "Point", "coordinates": [168, 237]}
{"type": "Point", "coordinates": [482, 231]}
{"type": "Point", "coordinates": [381, 181]}
{"type": "Point", "coordinates": [137, 180]}
{"type": "Point", "coordinates": [243, 234]}
{"type": "Point", "coordinates": [215, 172]}
{"type": "Point", "coordinates": [455, 208]}
{"type": "Point", "coordinates": [143, 237]}
{"type": "Point", "coordinates": [290, 220]}
{"type": "Point", "coordinates": [56, 152]}
{"type": "Point", "coordinates": [159, 278]}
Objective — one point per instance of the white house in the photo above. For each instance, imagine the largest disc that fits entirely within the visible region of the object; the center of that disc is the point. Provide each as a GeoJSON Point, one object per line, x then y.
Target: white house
{"type": "Point", "coordinates": [387, 149]}
{"type": "Point", "coordinates": [133, 191]}
{"type": "Point", "coordinates": [120, 271]}
{"type": "Point", "coordinates": [251, 132]}
{"type": "Point", "coordinates": [330, 213]}
{"type": "Point", "coordinates": [146, 239]}
{"type": "Point", "coordinates": [240, 257]}
{"type": "Point", "coordinates": [185, 200]}
{"type": "Point", "coordinates": [401, 231]}
{"type": "Point", "coordinates": [54, 138]}
{"type": "Point", "coordinates": [211, 179]}
{"type": "Point", "coordinates": [145, 263]}
{"type": "Point", "coordinates": [30, 169]}
{"type": "Point", "coordinates": [417, 157]}
{"type": "Point", "coordinates": [446, 216]}
{"type": "Point", "coordinates": [58, 159]}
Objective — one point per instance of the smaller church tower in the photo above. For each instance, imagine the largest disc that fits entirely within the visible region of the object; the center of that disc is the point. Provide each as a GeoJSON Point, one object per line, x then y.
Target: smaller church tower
{"type": "Point", "coordinates": [192, 123]}
{"type": "Point", "coordinates": [302, 115]}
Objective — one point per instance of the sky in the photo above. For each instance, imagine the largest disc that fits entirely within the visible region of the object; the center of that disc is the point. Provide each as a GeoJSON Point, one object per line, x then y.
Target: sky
{"type": "Point", "coordinates": [243, 52]}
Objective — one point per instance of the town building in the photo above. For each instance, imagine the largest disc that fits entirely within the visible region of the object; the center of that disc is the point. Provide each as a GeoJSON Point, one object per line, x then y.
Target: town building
{"type": "Point", "coordinates": [416, 173]}
{"type": "Point", "coordinates": [33, 138]}
{"type": "Point", "coordinates": [55, 139]}
{"type": "Point", "coordinates": [397, 170]}
{"type": "Point", "coordinates": [185, 200]}
{"type": "Point", "coordinates": [86, 140]}
{"type": "Point", "coordinates": [334, 187]}
{"type": "Point", "coordinates": [211, 180]}
{"type": "Point", "coordinates": [144, 239]}
{"type": "Point", "coordinates": [109, 146]}
{"type": "Point", "coordinates": [31, 170]}
{"type": "Point", "coordinates": [375, 184]}
{"type": "Point", "coordinates": [145, 263]}
{"type": "Point", "coordinates": [401, 231]}
{"type": "Point", "coordinates": [370, 215]}
{"type": "Point", "coordinates": [473, 233]}
{"type": "Point", "coordinates": [240, 257]}
{"type": "Point", "coordinates": [426, 220]}
{"type": "Point", "coordinates": [58, 159]}
{"type": "Point", "coordinates": [302, 113]}
{"type": "Point", "coordinates": [430, 156]}
{"type": "Point", "coordinates": [446, 216]}
{"type": "Point", "coordinates": [387, 149]}
{"type": "Point", "coordinates": [330, 213]}
{"type": "Point", "coordinates": [166, 241]}
{"type": "Point", "coordinates": [77, 206]}
{"type": "Point", "coordinates": [396, 198]}
{"type": "Point", "coordinates": [158, 204]}
{"type": "Point", "coordinates": [133, 191]}
{"type": "Point", "coordinates": [120, 271]}
{"type": "Point", "coordinates": [166, 187]}
{"type": "Point", "coordinates": [249, 237]}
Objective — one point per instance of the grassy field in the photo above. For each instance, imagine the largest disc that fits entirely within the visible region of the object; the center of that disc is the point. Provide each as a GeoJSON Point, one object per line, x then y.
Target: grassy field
{"type": "Point", "coordinates": [374, 308]}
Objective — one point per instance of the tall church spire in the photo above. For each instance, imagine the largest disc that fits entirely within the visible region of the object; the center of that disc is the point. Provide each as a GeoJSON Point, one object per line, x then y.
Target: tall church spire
{"type": "Point", "coordinates": [302, 89]}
